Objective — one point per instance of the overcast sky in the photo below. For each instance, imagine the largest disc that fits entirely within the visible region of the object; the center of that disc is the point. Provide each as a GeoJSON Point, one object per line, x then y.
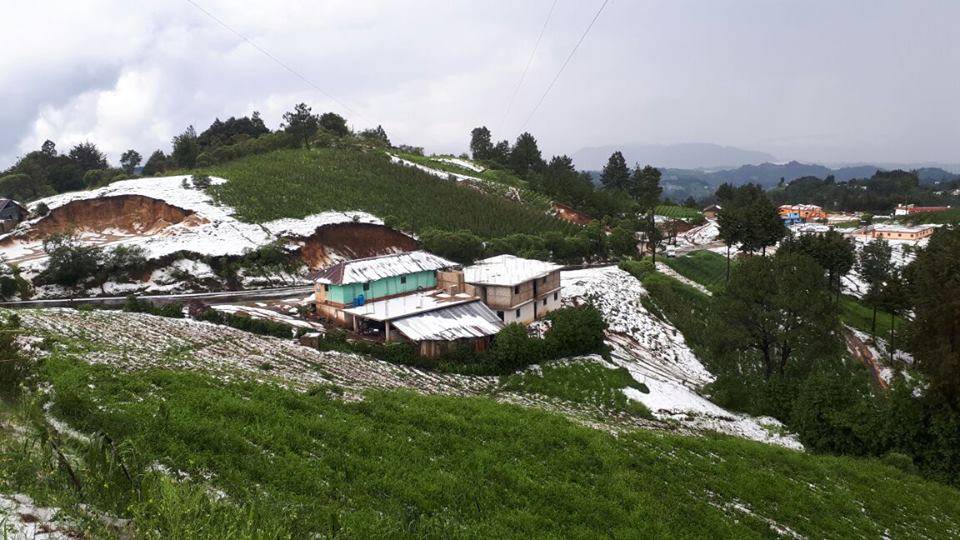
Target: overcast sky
{"type": "Point", "coordinates": [827, 81]}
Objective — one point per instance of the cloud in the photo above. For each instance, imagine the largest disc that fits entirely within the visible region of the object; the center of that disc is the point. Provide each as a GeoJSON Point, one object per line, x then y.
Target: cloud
{"type": "Point", "coordinates": [773, 77]}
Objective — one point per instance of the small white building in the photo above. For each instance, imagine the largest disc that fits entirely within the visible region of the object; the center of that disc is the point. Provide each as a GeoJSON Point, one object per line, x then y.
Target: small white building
{"type": "Point", "coordinates": [518, 290]}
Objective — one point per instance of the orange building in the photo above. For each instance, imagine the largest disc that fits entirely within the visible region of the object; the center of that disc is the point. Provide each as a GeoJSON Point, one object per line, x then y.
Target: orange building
{"type": "Point", "coordinates": [806, 212]}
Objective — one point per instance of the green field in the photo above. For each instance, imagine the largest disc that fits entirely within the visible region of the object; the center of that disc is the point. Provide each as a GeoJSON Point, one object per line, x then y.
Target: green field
{"type": "Point", "coordinates": [705, 267]}
{"type": "Point", "coordinates": [296, 183]}
{"type": "Point", "coordinates": [678, 212]}
{"type": "Point", "coordinates": [187, 456]}
{"type": "Point", "coordinates": [860, 316]}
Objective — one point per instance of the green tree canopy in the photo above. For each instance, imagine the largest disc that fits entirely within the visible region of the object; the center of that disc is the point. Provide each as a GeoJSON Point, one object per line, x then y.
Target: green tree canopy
{"type": "Point", "coordinates": [481, 146]}
{"type": "Point", "coordinates": [334, 123]}
{"type": "Point", "coordinates": [129, 160]}
{"type": "Point", "coordinates": [525, 156]}
{"type": "Point", "coordinates": [301, 123]}
{"type": "Point", "coordinates": [616, 174]}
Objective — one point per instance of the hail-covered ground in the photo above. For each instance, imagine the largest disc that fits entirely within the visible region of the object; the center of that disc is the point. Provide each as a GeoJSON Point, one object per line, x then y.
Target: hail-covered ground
{"type": "Point", "coordinates": [209, 230]}
{"type": "Point", "coordinates": [657, 355]}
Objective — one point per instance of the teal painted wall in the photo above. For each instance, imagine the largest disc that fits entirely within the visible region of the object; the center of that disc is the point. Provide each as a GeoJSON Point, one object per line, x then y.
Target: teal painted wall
{"type": "Point", "coordinates": [347, 294]}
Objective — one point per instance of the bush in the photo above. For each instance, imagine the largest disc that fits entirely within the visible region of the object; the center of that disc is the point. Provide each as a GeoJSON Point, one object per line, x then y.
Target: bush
{"type": "Point", "coordinates": [69, 262]}
{"type": "Point", "coordinates": [254, 326]}
{"type": "Point", "coordinates": [575, 332]}
{"type": "Point", "coordinates": [136, 305]}
{"type": "Point", "coordinates": [14, 368]}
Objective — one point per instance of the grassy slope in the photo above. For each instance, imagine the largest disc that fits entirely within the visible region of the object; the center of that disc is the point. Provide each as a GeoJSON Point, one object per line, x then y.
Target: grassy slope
{"type": "Point", "coordinates": [678, 212]}
{"type": "Point", "coordinates": [580, 382]}
{"type": "Point", "coordinates": [296, 183]}
{"type": "Point", "coordinates": [403, 465]}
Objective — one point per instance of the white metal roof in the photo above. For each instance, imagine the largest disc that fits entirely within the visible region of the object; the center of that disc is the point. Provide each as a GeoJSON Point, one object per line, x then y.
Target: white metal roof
{"type": "Point", "coordinates": [900, 228]}
{"type": "Point", "coordinates": [470, 320]}
{"type": "Point", "coordinates": [507, 270]}
{"type": "Point", "coordinates": [374, 268]}
{"type": "Point", "coordinates": [409, 304]}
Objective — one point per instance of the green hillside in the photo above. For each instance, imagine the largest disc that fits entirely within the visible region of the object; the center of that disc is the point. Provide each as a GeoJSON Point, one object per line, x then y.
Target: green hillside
{"type": "Point", "coordinates": [296, 183]}
{"type": "Point", "coordinates": [259, 461]}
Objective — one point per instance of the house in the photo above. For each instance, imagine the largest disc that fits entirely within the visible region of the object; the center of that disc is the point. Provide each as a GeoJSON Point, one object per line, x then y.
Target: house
{"type": "Point", "coordinates": [791, 218]}
{"type": "Point", "coordinates": [711, 211]}
{"type": "Point", "coordinates": [436, 321]}
{"type": "Point", "coordinates": [810, 229]}
{"type": "Point", "coordinates": [896, 232]}
{"type": "Point", "coordinates": [356, 282]}
{"type": "Point", "coordinates": [908, 209]}
{"type": "Point", "coordinates": [805, 212]}
{"type": "Point", "coordinates": [519, 290]}
{"type": "Point", "coordinates": [11, 214]}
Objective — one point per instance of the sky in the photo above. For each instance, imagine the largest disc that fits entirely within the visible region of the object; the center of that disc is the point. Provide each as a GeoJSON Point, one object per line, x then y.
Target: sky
{"type": "Point", "coordinates": [813, 80]}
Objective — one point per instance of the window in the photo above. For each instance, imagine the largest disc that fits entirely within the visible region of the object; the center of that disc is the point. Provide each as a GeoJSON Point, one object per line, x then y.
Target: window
{"type": "Point", "coordinates": [544, 281]}
{"type": "Point", "coordinates": [403, 279]}
{"type": "Point", "coordinates": [516, 289]}
{"type": "Point", "coordinates": [518, 313]}
{"type": "Point", "coordinates": [500, 314]}
{"type": "Point", "coordinates": [326, 287]}
{"type": "Point", "coordinates": [556, 295]}
{"type": "Point", "coordinates": [544, 301]}
{"type": "Point", "coordinates": [366, 286]}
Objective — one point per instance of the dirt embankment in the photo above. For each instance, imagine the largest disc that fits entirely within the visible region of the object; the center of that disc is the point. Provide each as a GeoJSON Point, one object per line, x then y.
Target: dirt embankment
{"type": "Point", "coordinates": [133, 214]}
{"type": "Point", "coordinates": [352, 241]}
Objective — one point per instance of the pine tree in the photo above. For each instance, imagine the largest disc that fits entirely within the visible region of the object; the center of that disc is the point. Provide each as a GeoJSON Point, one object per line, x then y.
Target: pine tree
{"type": "Point", "coordinates": [481, 146]}
{"type": "Point", "coordinates": [616, 174]}
{"type": "Point", "coordinates": [875, 264]}
{"type": "Point", "coordinates": [301, 123]}
{"type": "Point", "coordinates": [525, 156]}
{"type": "Point", "coordinates": [129, 160]}
{"type": "Point", "coordinates": [645, 187]}
{"type": "Point", "coordinates": [186, 148]}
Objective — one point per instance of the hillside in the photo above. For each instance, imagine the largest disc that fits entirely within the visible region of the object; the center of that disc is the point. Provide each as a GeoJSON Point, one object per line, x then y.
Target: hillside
{"type": "Point", "coordinates": [683, 156]}
{"type": "Point", "coordinates": [296, 183]}
{"type": "Point", "coordinates": [212, 451]}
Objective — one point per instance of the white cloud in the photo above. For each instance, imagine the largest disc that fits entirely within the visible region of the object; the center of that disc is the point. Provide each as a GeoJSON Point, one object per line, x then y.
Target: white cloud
{"type": "Point", "coordinates": [764, 76]}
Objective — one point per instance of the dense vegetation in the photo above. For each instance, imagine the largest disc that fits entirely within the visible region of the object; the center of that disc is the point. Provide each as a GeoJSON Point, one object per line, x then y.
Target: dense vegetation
{"type": "Point", "coordinates": [768, 365]}
{"type": "Point", "coordinates": [581, 382]}
{"type": "Point", "coordinates": [193, 457]}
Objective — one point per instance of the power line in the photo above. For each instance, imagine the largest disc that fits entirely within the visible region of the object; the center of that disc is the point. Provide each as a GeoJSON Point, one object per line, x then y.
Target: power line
{"type": "Point", "coordinates": [529, 61]}
{"type": "Point", "coordinates": [274, 58]}
{"type": "Point", "coordinates": [567, 61]}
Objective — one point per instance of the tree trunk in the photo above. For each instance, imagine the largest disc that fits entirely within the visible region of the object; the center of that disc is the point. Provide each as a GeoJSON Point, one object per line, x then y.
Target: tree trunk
{"type": "Point", "coordinates": [893, 335]}
{"type": "Point", "coordinates": [728, 263]}
{"type": "Point", "coordinates": [873, 325]}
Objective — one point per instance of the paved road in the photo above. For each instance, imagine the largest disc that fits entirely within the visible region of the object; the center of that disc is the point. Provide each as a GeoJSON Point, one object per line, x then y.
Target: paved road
{"type": "Point", "coordinates": [224, 297]}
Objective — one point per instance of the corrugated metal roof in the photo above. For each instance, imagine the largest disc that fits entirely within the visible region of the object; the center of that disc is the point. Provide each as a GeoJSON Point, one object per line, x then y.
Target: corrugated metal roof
{"type": "Point", "coordinates": [374, 268]}
{"type": "Point", "coordinates": [507, 270]}
{"type": "Point", "coordinates": [408, 304]}
{"type": "Point", "coordinates": [462, 321]}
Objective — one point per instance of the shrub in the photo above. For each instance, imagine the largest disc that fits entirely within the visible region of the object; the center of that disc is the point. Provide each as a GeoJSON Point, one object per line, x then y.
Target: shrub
{"type": "Point", "coordinates": [136, 305]}
{"type": "Point", "coordinates": [14, 368]}
{"type": "Point", "coordinates": [69, 262]}
{"type": "Point", "coordinates": [575, 331]}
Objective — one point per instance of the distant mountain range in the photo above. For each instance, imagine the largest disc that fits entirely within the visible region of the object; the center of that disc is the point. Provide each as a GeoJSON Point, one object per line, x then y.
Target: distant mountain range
{"type": "Point", "coordinates": [683, 156]}
{"type": "Point", "coordinates": [680, 183]}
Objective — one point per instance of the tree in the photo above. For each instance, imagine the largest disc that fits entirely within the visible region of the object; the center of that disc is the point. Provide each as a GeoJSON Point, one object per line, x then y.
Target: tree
{"type": "Point", "coordinates": [525, 156]}
{"type": "Point", "coordinates": [652, 235]}
{"type": "Point", "coordinates": [334, 123]}
{"type": "Point", "coordinates": [832, 251]}
{"type": "Point", "coordinates": [48, 148]}
{"type": "Point", "coordinates": [778, 309]}
{"type": "Point", "coordinates": [623, 240]}
{"type": "Point", "coordinates": [690, 202]}
{"type": "Point", "coordinates": [747, 217]}
{"type": "Point", "coordinates": [129, 160]}
{"type": "Point", "coordinates": [377, 136]}
{"type": "Point", "coordinates": [934, 278]}
{"type": "Point", "coordinates": [69, 262]}
{"type": "Point", "coordinates": [616, 174]}
{"type": "Point", "coordinates": [186, 148]}
{"type": "Point", "coordinates": [121, 263]}
{"type": "Point", "coordinates": [232, 131]}
{"type": "Point", "coordinates": [501, 152]}
{"type": "Point", "coordinates": [875, 264]}
{"type": "Point", "coordinates": [156, 163]}
{"type": "Point", "coordinates": [88, 157]}
{"type": "Point", "coordinates": [301, 123]}
{"type": "Point", "coordinates": [645, 187]}
{"type": "Point", "coordinates": [481, 146]}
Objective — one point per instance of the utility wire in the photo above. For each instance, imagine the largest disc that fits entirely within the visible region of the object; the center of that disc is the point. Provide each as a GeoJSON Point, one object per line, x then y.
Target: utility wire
{"type": "Point", "coordinates": [527, 67]}
{"type": "Point", "coordinates": [274, 58]}
{"type": "Point", "coordinates": [567, 61]}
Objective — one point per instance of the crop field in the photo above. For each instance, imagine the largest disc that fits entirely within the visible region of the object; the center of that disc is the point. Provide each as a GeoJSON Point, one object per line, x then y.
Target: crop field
{"type": "Point", "coordinates": [677, 212]}
{"type": "Point", "coordinates": [235, 459]}
{"type": "Point", "coordinates": [297, 183]}
{"type": "Point", "coordinates": [705, 267]}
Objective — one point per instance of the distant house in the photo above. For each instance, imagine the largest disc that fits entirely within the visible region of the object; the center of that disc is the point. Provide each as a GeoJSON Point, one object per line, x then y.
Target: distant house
{"type": "Point", "coordinates": [711, 211]}
{"type": "Point", "coordinates": [359, 281]}
{"type": "Point", "coordinates": [803, 212]}
{"type": "Point", "coordinates": [519, 290]}
{"type": "Point", "coordinates": [896, 232]}
{"type": "Point", "coordinates": [791, 218]}
{"type": "Point", "coordinates": [11, 214]}
{"type": "Point", "coordinates": [908, 209]}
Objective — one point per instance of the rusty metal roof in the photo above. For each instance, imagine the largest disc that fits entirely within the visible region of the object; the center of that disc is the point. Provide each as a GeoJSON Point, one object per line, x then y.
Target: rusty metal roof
{"type": "Point", "coordinates": [472, 320]}
{"type": "Point", "coordinates": [374, 268]}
